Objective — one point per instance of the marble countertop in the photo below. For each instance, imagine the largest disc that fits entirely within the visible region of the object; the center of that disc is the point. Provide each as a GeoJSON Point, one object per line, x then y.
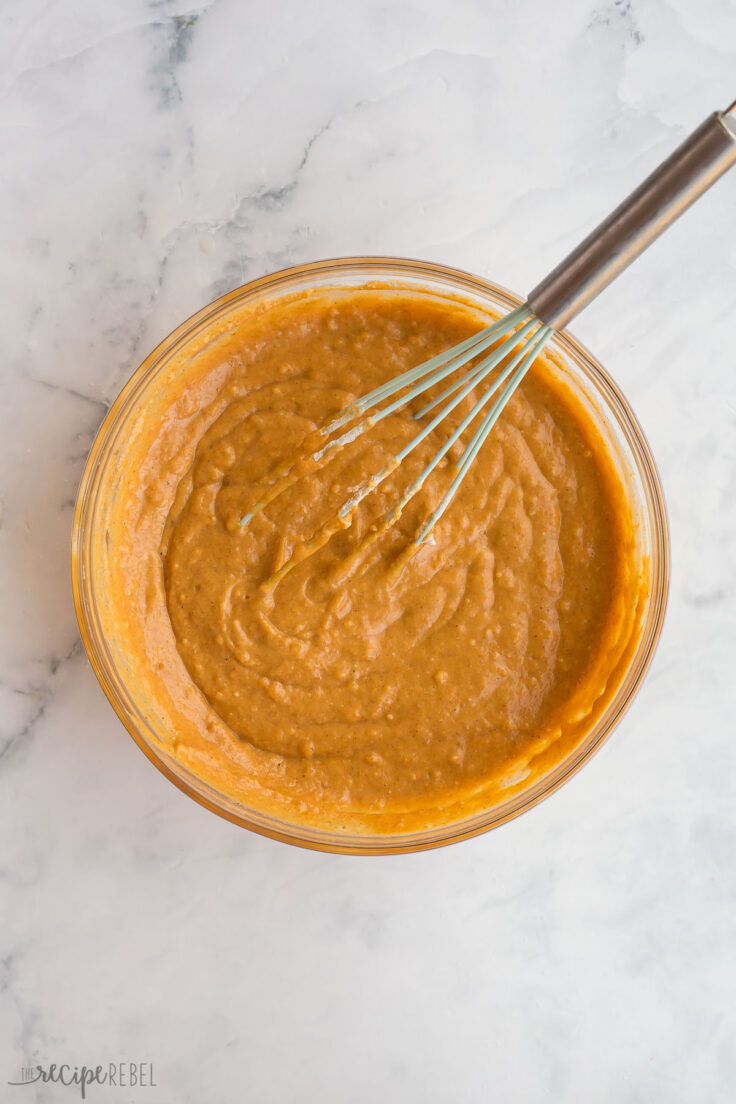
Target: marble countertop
{"type": "Point", "coordinates": [157, 153]}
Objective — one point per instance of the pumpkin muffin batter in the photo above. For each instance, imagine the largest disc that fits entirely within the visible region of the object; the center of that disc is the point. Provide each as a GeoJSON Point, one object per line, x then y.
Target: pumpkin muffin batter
{"type": "Point", "coordinates": [369, 691]}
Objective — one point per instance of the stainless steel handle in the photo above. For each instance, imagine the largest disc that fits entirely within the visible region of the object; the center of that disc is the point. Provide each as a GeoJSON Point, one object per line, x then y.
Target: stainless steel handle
{"type": "Point", "coordinates": [671, 188]}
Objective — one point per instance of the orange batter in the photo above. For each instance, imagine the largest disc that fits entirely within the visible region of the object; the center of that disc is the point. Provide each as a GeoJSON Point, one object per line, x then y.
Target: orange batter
{"type": "Point", "coordinates": [352, 694]}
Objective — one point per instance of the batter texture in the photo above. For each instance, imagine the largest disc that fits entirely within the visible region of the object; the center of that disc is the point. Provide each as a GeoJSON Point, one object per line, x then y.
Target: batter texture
{"type": "Point", "coordinates": [366, 689]}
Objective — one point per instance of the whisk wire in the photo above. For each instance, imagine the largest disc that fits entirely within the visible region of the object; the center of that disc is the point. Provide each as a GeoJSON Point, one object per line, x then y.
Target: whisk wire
{"type": "Point", "coordinates": [423, 376]}
{"type": "Point", "coordinates": [516, 340]}
{"type": "Point", "coordinates": [464, 385]}
{"type": "Point", "coordinates": [523, 359]}
{"type": "Point", "coordinates": [484, 369]}
{"type": "Point", "coordinates": [429, 372]}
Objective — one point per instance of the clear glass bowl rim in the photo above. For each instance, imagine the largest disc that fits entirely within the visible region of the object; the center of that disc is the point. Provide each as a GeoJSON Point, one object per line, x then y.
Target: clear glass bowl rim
{"type": "Point", "coordinates": [381, 269]}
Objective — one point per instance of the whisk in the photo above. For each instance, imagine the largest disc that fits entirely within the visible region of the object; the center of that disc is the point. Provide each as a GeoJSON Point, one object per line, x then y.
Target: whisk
{"type": "Point", "coordinates": [512, 343]}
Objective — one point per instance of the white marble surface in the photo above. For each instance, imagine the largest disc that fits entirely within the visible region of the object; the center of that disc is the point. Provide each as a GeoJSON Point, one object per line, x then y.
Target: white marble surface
{"type": "Point", "coordinates": [158, 153]}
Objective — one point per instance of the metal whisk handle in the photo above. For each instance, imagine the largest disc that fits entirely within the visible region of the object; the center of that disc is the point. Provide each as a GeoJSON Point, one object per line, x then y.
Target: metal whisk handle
{"type": "Point", "coordinates": [632, 227]}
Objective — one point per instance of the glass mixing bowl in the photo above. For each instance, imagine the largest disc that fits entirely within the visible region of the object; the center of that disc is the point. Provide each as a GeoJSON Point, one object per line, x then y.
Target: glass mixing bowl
{"type": "Point", "coordinates": [587, 380]}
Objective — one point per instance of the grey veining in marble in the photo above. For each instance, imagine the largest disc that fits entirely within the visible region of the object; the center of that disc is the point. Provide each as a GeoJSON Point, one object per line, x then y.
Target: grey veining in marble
{"type": "Point", "coordinates": [155, 154]}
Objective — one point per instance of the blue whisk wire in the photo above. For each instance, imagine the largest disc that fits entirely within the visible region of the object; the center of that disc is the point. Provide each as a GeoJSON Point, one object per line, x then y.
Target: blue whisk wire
{"type": "Point", "coordinates": [516, 339]}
